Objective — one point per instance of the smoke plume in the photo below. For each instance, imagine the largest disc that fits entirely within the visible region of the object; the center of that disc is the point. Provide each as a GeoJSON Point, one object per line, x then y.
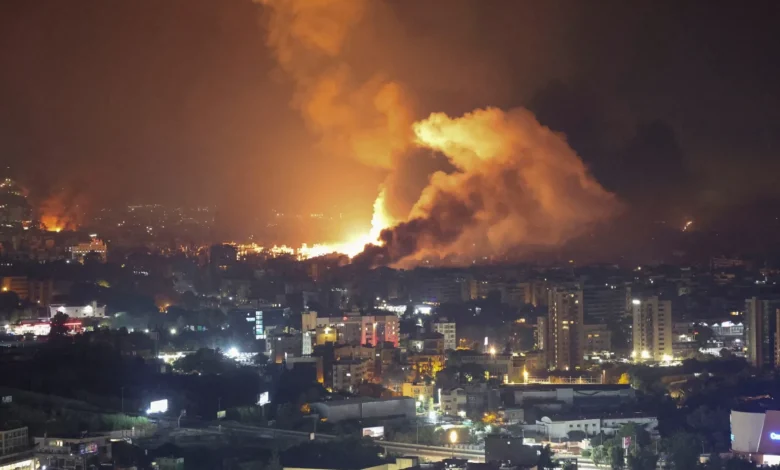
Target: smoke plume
{"type": "Point", "coordinates": [517, 185]}
{"type": "Point", "coordinates": [62, 210]}
{"type": "Point", "coordinates": [510, 182]}
{"type": "Point", "coordinates": [368, 120]}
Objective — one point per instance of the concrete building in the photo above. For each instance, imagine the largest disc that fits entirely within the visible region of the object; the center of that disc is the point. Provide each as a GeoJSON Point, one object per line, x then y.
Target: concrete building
{"type": "Point", "coordinates": [763, 328]}
{"type": "Point", "coordinates": [364, 408]}
{"type": "Point", "coordinates": [448, 330]}
{"type": "Point", "coordinates": [71, 453]}
{"type": "Point", "coordinates": [652, 329]}
{"type": "Point", "coordinates": [13, 441]}
{"type": "Point", "coordinates": [565, 328]}
{"type": "Point", "coordinates": [92, 310]}
{"type": "Point", "coordinates": [472, 399]}
{"type": "Point", "coordinates": [366, 329]}
{"type": "Point", "coordinates": [284, 346]}
{"type": "Point", "coordinates": [504, 367]}
{"type": "Point", "coordinates": [755, 436]}
{"type": "Point", "coordinates": [96, 246]}
{"type": "Point", "coordinates": [349, 373]}
{"type": "Point", "coordinates": [418, 391]}
{"type": "Point", "coordinates": [303, 365]}
{"type": "Point", "coordinates": [598, 338]}
{"type": "Point", "coordinates": [565, 396]}
{"type": "Point", "coordinates": [453, 401]}
{"type": "Point", "coordinates": [603, 302]}
{"type": "Point", "coordinates": [429, 343]}
{"type": "Point", "coordinates": [559, 426]}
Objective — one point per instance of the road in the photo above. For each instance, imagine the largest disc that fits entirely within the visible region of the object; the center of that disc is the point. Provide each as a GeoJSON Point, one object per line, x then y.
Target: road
{"type": "Point", "coordinates": [424, 452]}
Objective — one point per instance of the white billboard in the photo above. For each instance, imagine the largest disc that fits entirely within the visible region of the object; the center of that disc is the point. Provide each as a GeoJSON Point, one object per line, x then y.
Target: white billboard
{"type": "Point", "coordinates": [157, 406]}
{"type": "Point", "coordinates": [376, 432]}
{"type": "Point", "coordinates": [263, 399]}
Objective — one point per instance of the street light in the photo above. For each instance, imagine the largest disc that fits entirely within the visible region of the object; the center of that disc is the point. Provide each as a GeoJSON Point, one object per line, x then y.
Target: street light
{"type": "Point", "coordinates": [453, 441]}
{"type": "Point", "coordinates": [492, 350]}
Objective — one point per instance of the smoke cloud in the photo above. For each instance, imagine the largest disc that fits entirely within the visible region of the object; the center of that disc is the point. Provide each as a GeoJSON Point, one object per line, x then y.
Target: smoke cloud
{"type": "Point", "coordinates": [517, 185]}
{"type": "Point", "coordinates": [368, 120]}
{"type": "Point", "coordinates": [509, 183]}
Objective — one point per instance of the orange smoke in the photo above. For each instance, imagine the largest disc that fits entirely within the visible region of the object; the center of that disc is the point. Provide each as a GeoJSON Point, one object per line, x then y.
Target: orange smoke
{"type": "Point", "coordinates": [367, 120]}
{"type": "Point", "coordinates": [517, 186]}
{"type": "Point", "coordinates": [516, 183]}
{"type": "Point", "coordinates": [60, 212]}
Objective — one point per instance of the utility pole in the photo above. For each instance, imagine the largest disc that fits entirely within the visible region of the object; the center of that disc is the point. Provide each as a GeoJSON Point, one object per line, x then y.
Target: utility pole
{"type": "Point", "coordinates": [123, 398]}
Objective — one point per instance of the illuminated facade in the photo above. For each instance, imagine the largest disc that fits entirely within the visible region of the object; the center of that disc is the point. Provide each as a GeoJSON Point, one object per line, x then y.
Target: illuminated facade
{"type": "Point", "coordinates": [92, 310]}
{"type": "Point", "coordinates": [448, 330]}
{"type": "Point", "coordinates": [96, 246]}
{"type": "Point", "coordinates": [762, 330]}
{"type": "Point", "coordinates": [652, 329]}
{"type": "Point", "coordinates": [565, 328]}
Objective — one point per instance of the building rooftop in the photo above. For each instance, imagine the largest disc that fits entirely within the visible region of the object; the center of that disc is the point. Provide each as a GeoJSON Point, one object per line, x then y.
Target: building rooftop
{"type": "Point", "coordinates": [576, 387]}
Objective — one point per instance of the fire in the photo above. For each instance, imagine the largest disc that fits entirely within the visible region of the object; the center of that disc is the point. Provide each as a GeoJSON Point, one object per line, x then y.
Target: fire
{"type": "Point", "coordinates": [60, 211]}
{"type": "Point", "coordinates": [379, 221]}
{"type": "Point", "coordinates": [52, 223]}
{"type": "Point", "coordinates": [514, 182]}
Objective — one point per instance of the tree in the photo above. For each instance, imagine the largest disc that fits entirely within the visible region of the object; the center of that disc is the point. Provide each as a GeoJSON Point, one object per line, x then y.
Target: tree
{"type": "Point", "coordinates": [204, 361]}
{"type": "Point", "coordinates": [642, 459]}
{"type": "Point", "coordinates": [546, 458]}
{"type": "Point", "coordinates": [684, 449]}
{"type": "Point", "coordinates": [599, 455]}
{"type": "Point", "coordinates": [616, 457]}
{"type": "Point", "coordinates": [58, 325]}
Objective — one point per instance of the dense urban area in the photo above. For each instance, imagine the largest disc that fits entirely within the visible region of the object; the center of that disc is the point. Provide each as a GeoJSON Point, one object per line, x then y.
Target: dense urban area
{"type": "Point", "coordinates": [147, 347]}
{"type": "Point", "coordinates": [389, 235]}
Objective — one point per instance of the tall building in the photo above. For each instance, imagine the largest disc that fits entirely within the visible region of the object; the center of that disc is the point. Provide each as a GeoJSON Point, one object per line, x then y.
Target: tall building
{"type": "Point", "coordinates": [565, 328]}
{"type": "Point", "coordinates": [447, 329]}
{"type": "Point", "coordinates": [368, 329]}
{"type": "Point", "coordinates": [540, 334]}
{"type": "Point", "coordinates": [598, 338]}
{"type": "Point", "coordinates": [604, 302]}
{"type": "Point", "coordinates": [652, 329]}
{"type": "Point", "coordinates": [763, 328]}
{"type": "Point", "coordinates": [349, 373]}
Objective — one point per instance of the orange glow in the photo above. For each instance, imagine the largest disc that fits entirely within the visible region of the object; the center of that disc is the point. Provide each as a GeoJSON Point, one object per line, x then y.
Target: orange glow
{"type": "Point", "coordinates": [380, 221]}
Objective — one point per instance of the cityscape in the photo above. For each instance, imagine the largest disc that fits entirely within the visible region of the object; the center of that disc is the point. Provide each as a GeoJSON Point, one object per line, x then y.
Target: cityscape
{"type": "Point", "coordinates": [378, 235]}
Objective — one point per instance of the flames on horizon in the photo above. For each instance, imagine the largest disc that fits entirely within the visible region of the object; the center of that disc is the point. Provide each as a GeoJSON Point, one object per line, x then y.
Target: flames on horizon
{"type": "Point", "coordinates": [516, 184]}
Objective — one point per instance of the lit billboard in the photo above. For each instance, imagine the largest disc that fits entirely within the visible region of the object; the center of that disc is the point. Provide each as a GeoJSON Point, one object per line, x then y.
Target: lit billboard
{"type": "Point", "coordinates": [376, 432]}
{"type": "Point", "coordinates": [157, 406]}
{"type": "Point", "coordinates": [263, 399]}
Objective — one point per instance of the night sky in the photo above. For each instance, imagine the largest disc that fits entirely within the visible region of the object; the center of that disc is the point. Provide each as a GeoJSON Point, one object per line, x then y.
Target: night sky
{"type": "Point", "coordinates": [672, 105]}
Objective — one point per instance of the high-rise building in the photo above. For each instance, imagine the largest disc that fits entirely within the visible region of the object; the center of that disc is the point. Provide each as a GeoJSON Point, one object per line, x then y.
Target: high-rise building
{"type": "Point", "coordinates": [763, 327]}
{"type": "Point", "coordinates": [652, 329]}
{"type": "Point", "coordinates": [447, 329]}
{"type": "Point", "coordinates": [540, 334]}
{"type": "Point", "coordinates": [565, 327]}
{"type": "Point", "coordinates": [349, 373]}
{"type": "Point", "coordinates": [604, 302]}
{"type": "Point", "coordinates": [368, 329]}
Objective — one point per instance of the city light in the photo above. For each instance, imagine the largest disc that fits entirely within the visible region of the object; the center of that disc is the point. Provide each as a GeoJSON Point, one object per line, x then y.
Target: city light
{"type": "Point", "coordinates": [492, 350]}
{"type": "Point", "coordinates": [667, 358]}
{"type": "Point", "coordinates": [173, 331]}
{"type": "Point", "coordinates": [645, 354]}
{"type": "Point", "coordinates": [453, 437]}
{"type": "Point", "coordinates": [636, 302]}
{"type": "Point", "coordinates": [232, 352]}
